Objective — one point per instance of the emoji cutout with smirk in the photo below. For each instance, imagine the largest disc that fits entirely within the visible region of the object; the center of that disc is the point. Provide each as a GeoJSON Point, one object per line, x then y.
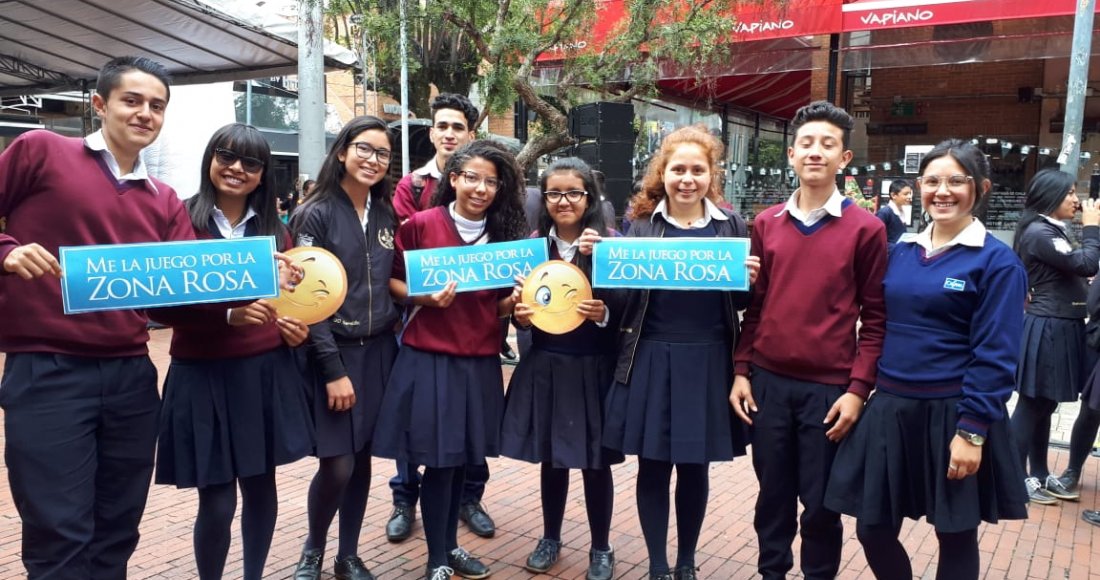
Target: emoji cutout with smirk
{"type": "Point", "coordinates": [553, 290]}
{"type": "Point", "coordinates": [322, 290]}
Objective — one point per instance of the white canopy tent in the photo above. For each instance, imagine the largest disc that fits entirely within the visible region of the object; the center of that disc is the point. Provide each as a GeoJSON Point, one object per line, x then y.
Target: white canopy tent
{"type": "Point", "coordinates": [59, 45]}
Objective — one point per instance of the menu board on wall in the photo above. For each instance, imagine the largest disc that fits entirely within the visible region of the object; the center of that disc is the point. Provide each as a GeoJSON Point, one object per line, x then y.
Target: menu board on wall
{"type": "Point", "coordinates": [1003, 210]}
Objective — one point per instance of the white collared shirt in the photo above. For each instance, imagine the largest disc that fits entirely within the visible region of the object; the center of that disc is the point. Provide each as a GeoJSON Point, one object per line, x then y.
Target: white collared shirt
{"type": "Point", "coordinates": [228, 230]}
{"type": "Point", "coordinates": [96, 142]}
{"type": "Point", "coordinates": [565, 249]}
{"type": "Point", "coordinates": [366, 214]}
{"type": "Point", "coordinates": [833, 206]}
{"type": "Point", "coordinates": [1059, 223]}
{"type": "Point", "coordinates": [431, 169]}
{"type": "Point", "coordinates": [972, 235]}
{"type": "Point", "coordinates": [710, 212]}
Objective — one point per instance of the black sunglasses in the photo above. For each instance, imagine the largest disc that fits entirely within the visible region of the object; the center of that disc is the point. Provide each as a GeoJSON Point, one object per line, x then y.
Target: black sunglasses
{"type": "Point", "coordinates": [227, 158]}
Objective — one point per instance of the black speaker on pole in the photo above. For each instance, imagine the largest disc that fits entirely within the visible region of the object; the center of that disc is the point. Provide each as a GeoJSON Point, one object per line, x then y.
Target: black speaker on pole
{"type": "Point", "coordinates": [603, 121]}
{"type": "Point", "coordinates": [605, 132]}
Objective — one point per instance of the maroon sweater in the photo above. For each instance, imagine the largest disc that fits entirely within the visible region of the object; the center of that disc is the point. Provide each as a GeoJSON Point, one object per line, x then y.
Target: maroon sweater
{"type": "Point", "coordinates": [814, 284]}
{"type": "Point", "coordinates": [469, 326]}
{"type": "Point", "coordinates": [56, 192]}
{"type": "Point", "coordinates": [203, 332]}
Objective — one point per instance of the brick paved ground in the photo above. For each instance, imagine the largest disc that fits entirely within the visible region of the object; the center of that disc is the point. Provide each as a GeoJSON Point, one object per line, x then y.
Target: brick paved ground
{"type": "Point", "coordinates": [1054, 543]}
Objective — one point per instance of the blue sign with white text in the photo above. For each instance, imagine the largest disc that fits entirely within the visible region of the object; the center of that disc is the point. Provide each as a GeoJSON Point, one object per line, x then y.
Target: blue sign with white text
{"type": "Point", "coordinates": [671, 263]}
{"type": "Point", "coordinates": [124, 276]}
{"type": "Point", "coordinates": [478, 267]}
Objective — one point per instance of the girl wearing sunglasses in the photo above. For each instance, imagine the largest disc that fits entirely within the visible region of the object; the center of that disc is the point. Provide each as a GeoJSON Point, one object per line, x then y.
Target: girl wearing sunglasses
{"type": "Point", "coordinates": [234, 399]}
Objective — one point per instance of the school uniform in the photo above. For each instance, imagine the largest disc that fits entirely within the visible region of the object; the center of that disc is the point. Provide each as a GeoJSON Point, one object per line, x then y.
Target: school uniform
{"type": "Point", "coordinates": [443, 403]}
{"type": "Point", "coordinates": [1090, 394]}
{"type": "Point", "coordinates": [948, 363]}
{"type": "Point", "coordinates": [1053, 358]}
{"type": "Point", "coordinates": [891, 218]}
{"type": "Point", "coordinates": [79, 392]}
{"type": "Point", "coordinates": [414, 191]}
{"type": "Point", "coordinates": [802, 354]}
{"type": "Point", "coordinates": [669, 400]}
{"type": "Point", "coordinates": [235, 401]}
{"type": "Point", "coordinates": [553, 410]}
{"type": "Point", "coordinates": [357, 341]}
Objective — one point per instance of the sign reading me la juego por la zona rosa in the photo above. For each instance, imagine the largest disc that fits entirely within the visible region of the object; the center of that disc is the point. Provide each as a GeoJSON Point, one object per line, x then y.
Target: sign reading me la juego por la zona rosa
{"type": "Point", "coordinates": [671, 263]}
{"type": "Point", "coordinates": [475, 267]}
{"type": "Point", "coordinates": [122, 276]}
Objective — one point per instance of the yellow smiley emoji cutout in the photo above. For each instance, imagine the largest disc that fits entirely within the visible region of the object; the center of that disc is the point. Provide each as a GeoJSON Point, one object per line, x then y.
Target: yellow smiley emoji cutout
{"type": "Point", "coordinates": [553, 290]}
{"type": "Point", "coordinates": [322, 290]}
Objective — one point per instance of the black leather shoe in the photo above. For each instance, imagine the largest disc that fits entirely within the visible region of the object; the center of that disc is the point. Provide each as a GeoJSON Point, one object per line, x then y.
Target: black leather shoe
{"type": "Point", "coordinates": [351, 568]}
{"type": "Point", "coordinates": [685, 573]}
{"type": "Point", "coordinates": [601, 564]}
{"type": "Point", "coordinates": [399, 528]}
{"type": "Point", "coordinates": [309, 565]}
{"type": "Point", "coordinates": [438, 573]}
{"type": "Point", "coordinates": [466, 565]}
{"type": "Point", "coordinates": [479, 522]}
{"type": "Point", "coordinates": [545, 555]}
{"type": "Point", "coordinates": [1091, 516]}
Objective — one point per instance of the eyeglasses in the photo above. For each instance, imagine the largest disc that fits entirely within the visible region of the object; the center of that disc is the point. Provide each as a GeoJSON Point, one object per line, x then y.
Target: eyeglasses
{"type": "Point", "coordinates": [365, 151]}
{"type": "Point", "coordinates": [572, 196]}
{"type": "Point", "coordinates": [227, 158]}
{"type": "Point", "coordinates": [473, 180]}
{"type": "Point", "coordinates": [954, 182]}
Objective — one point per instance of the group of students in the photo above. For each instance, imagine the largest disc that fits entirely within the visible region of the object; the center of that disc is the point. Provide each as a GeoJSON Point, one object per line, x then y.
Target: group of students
{"type": "Point", "coordinates": [671, 377]}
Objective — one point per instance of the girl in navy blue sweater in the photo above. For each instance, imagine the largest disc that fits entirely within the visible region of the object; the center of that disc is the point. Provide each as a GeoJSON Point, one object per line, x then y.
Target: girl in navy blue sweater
{"type": "Point", "coordinates": [933, 440]}
{"type": "Point", "coordinates": [553, 413]}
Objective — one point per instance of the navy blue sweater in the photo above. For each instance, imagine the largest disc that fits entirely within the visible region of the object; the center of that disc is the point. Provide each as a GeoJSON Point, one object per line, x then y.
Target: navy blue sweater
{"type": "Point", "coordinates": [953, 326]}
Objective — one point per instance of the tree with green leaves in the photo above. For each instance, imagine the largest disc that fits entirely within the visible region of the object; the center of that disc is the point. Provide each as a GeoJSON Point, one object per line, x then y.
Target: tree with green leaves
{"type": "Point", "coordinates": [507, 40]}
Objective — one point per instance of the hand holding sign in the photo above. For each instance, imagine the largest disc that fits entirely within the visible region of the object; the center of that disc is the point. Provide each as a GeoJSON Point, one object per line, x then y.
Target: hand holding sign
{"type": "Point", "coordinates": [31, 261]}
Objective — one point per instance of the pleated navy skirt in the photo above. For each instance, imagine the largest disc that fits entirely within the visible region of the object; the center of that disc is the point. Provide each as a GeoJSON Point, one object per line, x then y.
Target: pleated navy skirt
{"type": "Point", "coordinates": [369, 366]}
{"type": "Point", "coordinates": [441, 410]}
{"type": "Point", "coordinates": [676, 407]}
{"type": "Point", "coordinates": [1053, 357]}
{"type": "Point", "coordinates": [1090, 395]}
{"type": "Point", "coordinates": [893, 465]}
{"type": "Point", "coordinates": [553, 411]}
{"type": "Point", "coordinates": [231, 418]}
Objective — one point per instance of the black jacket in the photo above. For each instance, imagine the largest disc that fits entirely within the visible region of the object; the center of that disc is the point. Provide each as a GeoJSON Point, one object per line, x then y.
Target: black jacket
{"type": "Point", "coordinates": [1056, 273]}
{"type": "Point", "coordinates": [635, 301]}
{"type": "Point", "coordinates": [332, 223]}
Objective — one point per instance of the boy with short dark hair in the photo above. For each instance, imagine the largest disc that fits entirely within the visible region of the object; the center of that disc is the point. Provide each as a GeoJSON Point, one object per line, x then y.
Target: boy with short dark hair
{"type": "Point", "coordinates": [802, 374]}
{"type": "Point", "coordinates": [79, 392]}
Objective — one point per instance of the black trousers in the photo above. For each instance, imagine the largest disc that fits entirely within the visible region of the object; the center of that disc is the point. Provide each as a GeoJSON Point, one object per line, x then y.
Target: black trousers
{"type": "Point", "coordinates": [81, 434]}
{"type": "Point", "coordinates": [792, 459]}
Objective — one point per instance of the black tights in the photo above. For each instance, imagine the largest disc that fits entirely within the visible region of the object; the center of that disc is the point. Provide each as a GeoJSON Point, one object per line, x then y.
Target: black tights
{"type": "Point", "coordinates": [440, 495]}
{"type": "Point", "coordinates": [1031, 426]}
{"type": "Point", "coordinates": [887, 557]}
{"type": "Point", "coordinates": [217, 506]}
{"type": "Point", "coordinates": [692, 489]}
{"type": "Point", "coordinates": [599, 496]}
{"type": "Point", "coordinates": [959, 559]}
{"type": "Point", "coordinates": [1083, 436]}
{"type": "Point", "coordinates": [341, 484]}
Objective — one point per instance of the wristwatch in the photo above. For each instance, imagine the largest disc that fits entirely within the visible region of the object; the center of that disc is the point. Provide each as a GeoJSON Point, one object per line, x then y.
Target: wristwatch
{"type": "Point", "coordinates": [971, 438]}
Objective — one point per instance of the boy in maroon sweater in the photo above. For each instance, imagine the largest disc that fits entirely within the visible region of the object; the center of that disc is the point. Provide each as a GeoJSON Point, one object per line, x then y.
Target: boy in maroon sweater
{"type": "Point", "coordinates": [802, 374]}
{"type": "Point", "coordinates": [79, 392]}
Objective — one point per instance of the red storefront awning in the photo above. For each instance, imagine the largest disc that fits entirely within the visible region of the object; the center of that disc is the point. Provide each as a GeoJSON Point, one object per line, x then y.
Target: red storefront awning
{"type": "Point", "coordinates": [776, 94]}
{"type": "Point", "coordinates": [859, 15]}
{"type": "Point", "coordinates": [751, 20]}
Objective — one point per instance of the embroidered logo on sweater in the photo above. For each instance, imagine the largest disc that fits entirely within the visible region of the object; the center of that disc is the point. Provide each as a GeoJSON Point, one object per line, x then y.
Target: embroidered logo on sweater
{"type": "Point", "coordinates": [385, 237]}
{"type": "Point", "coordinates": [953, 284]}
{"type": "Point", "coordinates": [1062, 246]}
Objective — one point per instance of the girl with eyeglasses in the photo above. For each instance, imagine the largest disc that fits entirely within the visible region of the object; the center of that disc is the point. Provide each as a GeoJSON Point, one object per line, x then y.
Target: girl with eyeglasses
{"type": "Point", "coordinates": [350, 213]}
{"type": "Point", "coordinates": [669, 396]}
{"type": "Point", "coordinates": [1054, 359]}
{"type": "Point", "coordinates": [234, 401]}
{"type": "Point", "coordinates": [933, 440]}
{"type": "Point", "coordinates": [553, 412]}
{"type": "Point", "coordinates": [444, 400]}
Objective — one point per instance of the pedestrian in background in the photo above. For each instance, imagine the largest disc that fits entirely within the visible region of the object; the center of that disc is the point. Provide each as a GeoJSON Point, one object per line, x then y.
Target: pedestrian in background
{"type": "Point", "coordinates": [893, 213]}
{"type": "Point", "coordinates": [553, 413]}
{"type": "Point", "coordinates": [443, 404]}
{"type": "Point", "coordinates": [672, 379]}
{"type": "Point", "coordinates": [933, 441]}
{"type": "Point", "coordinates": [1053, 355]}
{"type": "Point", "coordinates": [352, 352]}
{"type": "Point", "coordinates": [235, 403]}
